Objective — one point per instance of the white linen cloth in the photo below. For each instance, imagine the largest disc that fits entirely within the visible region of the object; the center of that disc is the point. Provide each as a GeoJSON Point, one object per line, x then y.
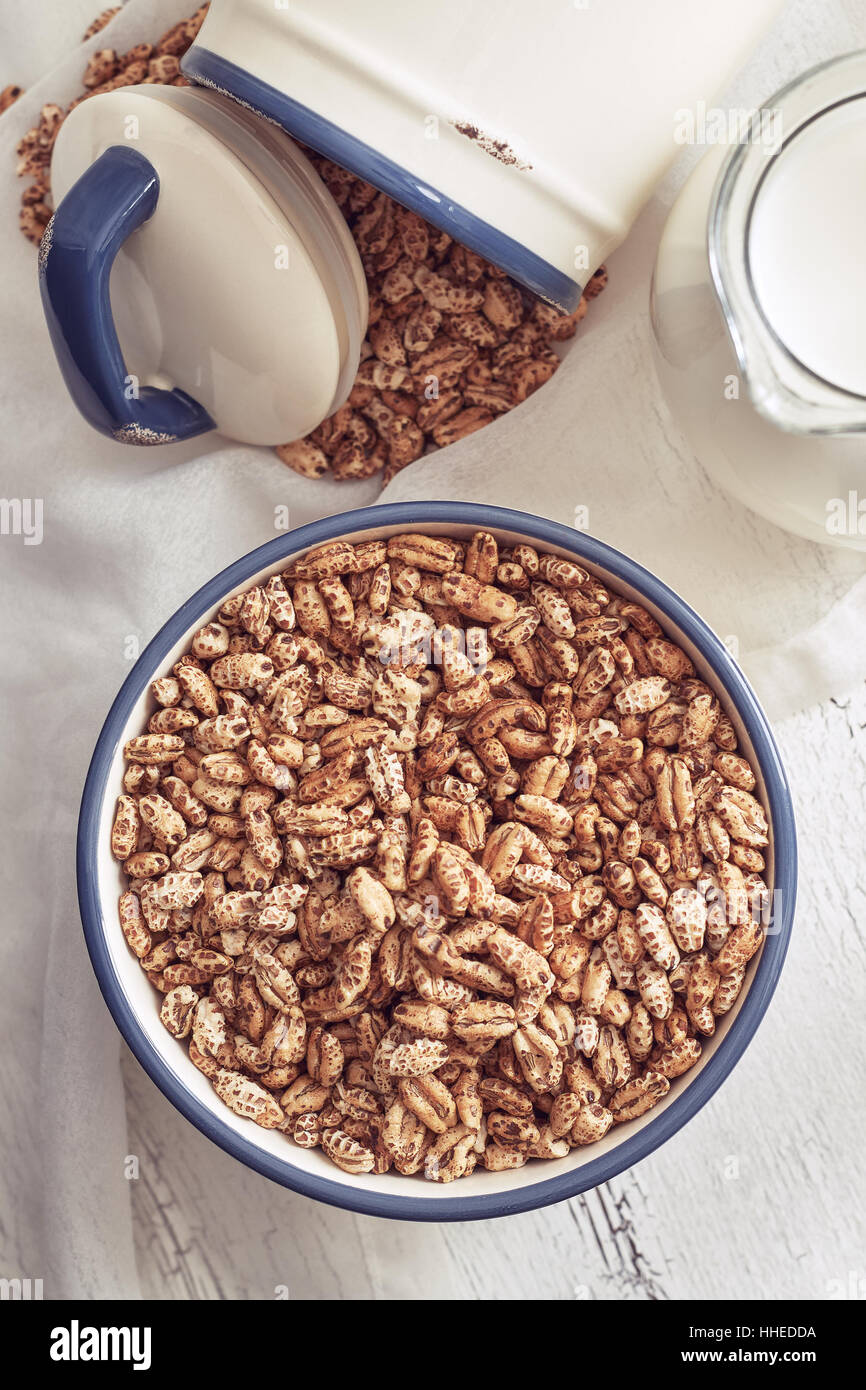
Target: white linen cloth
{"type": "Point", "coordinates": [129, 534]}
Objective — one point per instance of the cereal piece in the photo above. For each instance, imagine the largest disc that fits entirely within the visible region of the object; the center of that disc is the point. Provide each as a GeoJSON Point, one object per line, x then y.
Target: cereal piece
{"type": "Point", "coordinates": [100, 22]}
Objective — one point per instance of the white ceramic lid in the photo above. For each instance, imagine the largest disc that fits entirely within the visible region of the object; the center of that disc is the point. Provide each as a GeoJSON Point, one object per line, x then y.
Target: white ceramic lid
{"type": "Point", "coordinates": [242, 289]}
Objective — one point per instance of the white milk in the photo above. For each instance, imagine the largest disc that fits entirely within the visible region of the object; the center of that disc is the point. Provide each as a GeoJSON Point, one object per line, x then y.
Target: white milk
{"type": "Point", "coordinates": [807, 246]}
{"type": "Point", "coordinates": [769, 383]}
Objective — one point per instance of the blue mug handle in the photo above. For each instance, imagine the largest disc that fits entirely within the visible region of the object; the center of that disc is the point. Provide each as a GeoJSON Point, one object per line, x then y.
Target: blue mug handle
{"type": "Point", "coordinates": [117, 194]}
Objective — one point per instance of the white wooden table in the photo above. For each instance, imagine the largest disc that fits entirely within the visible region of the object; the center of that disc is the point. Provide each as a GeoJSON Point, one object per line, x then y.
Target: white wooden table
{"type": "Point", "coordinates": [760, 1196]}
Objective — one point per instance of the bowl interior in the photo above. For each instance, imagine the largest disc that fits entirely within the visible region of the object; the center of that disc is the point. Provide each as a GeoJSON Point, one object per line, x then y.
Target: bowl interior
{"type": "Point", "coordinates": [135, 1003]}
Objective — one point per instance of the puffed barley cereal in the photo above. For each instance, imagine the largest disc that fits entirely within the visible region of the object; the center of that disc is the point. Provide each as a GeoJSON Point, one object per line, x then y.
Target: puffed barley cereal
{"type": "Point", "coordinates": [444, 866]}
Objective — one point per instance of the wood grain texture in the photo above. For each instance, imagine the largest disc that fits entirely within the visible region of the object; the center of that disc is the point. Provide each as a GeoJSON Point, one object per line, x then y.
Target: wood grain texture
{"type": "Point", "coordinates": [759, 1196]}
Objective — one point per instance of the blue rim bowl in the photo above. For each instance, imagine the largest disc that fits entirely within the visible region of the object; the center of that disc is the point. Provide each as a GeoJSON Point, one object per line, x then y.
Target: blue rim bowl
{"type": "Point", "coordinates": [484, 1194]}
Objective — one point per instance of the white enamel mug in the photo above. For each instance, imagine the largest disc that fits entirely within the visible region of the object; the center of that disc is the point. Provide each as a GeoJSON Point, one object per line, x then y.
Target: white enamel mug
{"type": "Point", "coordinates": [532, 134]}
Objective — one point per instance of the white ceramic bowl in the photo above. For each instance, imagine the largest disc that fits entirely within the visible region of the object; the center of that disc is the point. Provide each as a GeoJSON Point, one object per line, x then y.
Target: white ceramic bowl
{"type": "Point", "coordinates": [135, 1004]}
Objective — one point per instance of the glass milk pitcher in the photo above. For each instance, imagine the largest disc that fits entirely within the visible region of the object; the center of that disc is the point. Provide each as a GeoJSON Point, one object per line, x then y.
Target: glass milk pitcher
{"type": "Point", "coordinates": [758, 307]}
